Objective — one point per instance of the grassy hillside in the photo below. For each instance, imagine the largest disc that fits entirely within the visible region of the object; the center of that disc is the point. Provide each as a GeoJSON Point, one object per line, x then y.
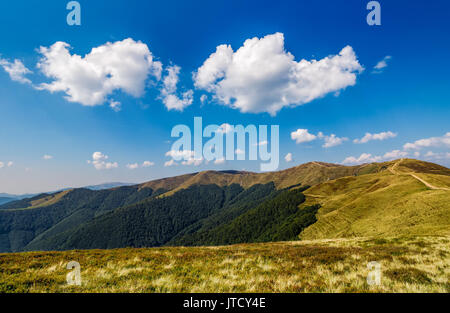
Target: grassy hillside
{"type": "Point", "coordinates": [387, 203]}
{"type": "Point", "coordinates": [408, 264]}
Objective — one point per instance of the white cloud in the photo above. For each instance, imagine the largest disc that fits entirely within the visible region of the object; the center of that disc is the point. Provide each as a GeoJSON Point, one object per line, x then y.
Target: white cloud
{"type": "Point", "coordinates": [203, 99]}
{"type": "Point", "coordinates": [170, 163]}
{"type": "Point", "coordinates": [169, 91]}
{"type": "Point", "coordinates": [378, 68]}
{"type": "Point", "coordinates": [395, 154]}
{"type": "Point", "coordinates": [99, 160]}
{"type": "Point", "coordinates": [380, 136]}
{"type": "Point", "coordinates": [132, 166]}
{"type": "Point", "coordinates": [302, 135]}
{"type": "Point", "coordinates": [363, 158]}
{"type": "Point", "coordinates": [187, 157]}
{"type": "Point", "coordinates": [436, 142]}
{"type": "Point", "coordinates": [332, 140]}
{"type": "Point", "coordinates": [239, 151]}
{"type": "Point", "coordinates": [261, 143]}
{"type": "Point", "coordinates": [417, 154]}
{"type": "Point", "coordinates": [47, 157]}
{"type": "Point", "coordinates": [147, 164]}
{"type": "Point", "coordinates": [123, 65]}
{"type": "Point", "coordinates": [225, 128]}
{"type": "Point", "coordinates": [193, 161]}
{"type": "Point", "coordinates": [288, 157]}
{"type": "Point", "coordinates": [16, 70]}
{"type": "Point", "coordinates": [219, 161]}
{"type": "Point", "coordinates": [115, 105]}
{"type": "Point", "coordinates": [367, 157]}
{"type": "Point", "coordinates": [262, 77]}
{"type": "Point", "coordinates": [9, 164]}
{"type": "Point", "coordinates": [180, 154]}
{"type": "Point", "coordinates": [437, 155]}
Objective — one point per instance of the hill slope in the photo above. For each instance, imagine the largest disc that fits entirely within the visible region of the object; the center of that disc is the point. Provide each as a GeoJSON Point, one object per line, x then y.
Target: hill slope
{"type": "Point", "coordinates": [412, 264]}
{"type": "Point", "coordinates": [396, 200]}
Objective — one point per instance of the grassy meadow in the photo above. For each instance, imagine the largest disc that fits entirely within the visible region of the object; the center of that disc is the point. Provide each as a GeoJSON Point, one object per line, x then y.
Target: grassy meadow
{"type": "Point", "coordinates": [408, 264]}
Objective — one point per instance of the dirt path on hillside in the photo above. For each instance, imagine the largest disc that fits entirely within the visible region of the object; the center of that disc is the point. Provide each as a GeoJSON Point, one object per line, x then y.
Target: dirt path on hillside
{"type": "Point", "coordinates": [393, 170]}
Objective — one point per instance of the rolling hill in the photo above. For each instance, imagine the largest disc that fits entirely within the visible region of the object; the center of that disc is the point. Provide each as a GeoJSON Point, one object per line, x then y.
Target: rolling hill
{"type": "Point", "coordinates": [309, 201]}
{"type": "Point", "coordinates": [397, 199]}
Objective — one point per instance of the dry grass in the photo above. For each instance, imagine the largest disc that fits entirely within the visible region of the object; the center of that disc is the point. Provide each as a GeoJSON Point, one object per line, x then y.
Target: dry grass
{"type": "Point", "coordinates": [409, 264]}
{"type": "Point", "coordinates": [379, 204]}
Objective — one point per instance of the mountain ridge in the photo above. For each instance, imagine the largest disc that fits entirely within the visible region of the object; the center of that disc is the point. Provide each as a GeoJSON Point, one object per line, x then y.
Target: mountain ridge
{"type": "Point", "coordinates": [334, 201]}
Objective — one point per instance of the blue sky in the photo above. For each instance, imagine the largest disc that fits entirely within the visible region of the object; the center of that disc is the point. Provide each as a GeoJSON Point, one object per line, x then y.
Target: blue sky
{"type": "Point", "coordinates": [404, 101]}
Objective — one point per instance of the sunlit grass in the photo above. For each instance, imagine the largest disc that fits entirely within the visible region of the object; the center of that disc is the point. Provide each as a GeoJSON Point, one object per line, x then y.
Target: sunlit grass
{"type": "Point", "coordinates": [408, 264]}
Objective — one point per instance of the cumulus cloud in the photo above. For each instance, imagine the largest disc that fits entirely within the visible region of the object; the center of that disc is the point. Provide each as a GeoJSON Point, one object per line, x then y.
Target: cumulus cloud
{"type": "Point", "coordinates": [288, 157]}
{"type": "Point", "coordinates": [169, 91]}
{"type": "Point", "coordinates": [99, 160]}
{"type": "Point", "coordinates": [363, 158]}
{"type": "Point", "coordinates": [331, 140]}
{"type": "Point", "coordinates": [302, 135]}
{"type": "Point", "coordinates": [367, 157]}
{"type": "Point", "coordinates": [122, 65]}
{"type": "Point", "coordinates": [192, 161]}
{"type": "Point", "coordinates": [47, 157]}
{"type": "Point", "coordinates": [395, 154]}
{"type": "Point", "coordinates": [16, 70]}
{"type": "Point", "coordinates": [225, 128]}
{"type": "Point", "coordinates": [262, 77]}
{"type": "Point", "coordinates": [437, 155]}
{"type": "Point", "coordinates": [203, 99]}
{"type": "Point", "coordinates": [436, 142]}
{"type": "Point", "coordinates": [2, 165]}
{"type": "Point", "coordinates": [187, 157]}
{"type": "Point", "coordinates": [380, 136]}
{"type": "Point", "coordinates": [115, 106]}
{"type": "Point", "coordinates": [170, 163]}
{"type": "Point", "coordinates": [10, 163]}
{"type": "Point", "coordinates": [261, 143]}
{"type": "Point", "coordinates": [132, 166]}
{"type": "Point", "coordinates": [219, 161]}
{"type": "Point", "coordinates": [147, 164]}
{"type": "Point", "coordinates": [379, 67]}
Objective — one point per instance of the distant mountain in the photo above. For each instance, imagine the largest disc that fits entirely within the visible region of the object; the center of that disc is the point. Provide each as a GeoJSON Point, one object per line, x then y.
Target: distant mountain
{"type": "Point", "coordinates": [312, 200]}
{"type": "Point", "coordinates": [4, 200]}
{"type": "Point", "coordinates": [18, 197]}
{"type": "Point", "coordinates": [108, 186]}
{"type": "Point", "coordinates": [11, 197]}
